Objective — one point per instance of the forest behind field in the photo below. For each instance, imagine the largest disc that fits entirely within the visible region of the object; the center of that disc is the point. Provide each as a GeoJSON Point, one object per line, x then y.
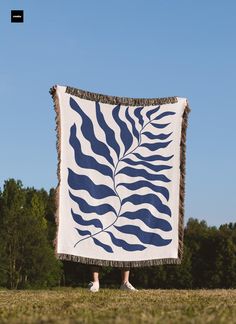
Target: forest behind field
{"type": "Point", "coordinates": [27, 259]}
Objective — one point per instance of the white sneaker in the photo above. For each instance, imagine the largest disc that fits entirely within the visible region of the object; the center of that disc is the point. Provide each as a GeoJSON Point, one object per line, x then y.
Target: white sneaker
{"type": "Point", "coordinates": [127, 286]}
{"type": "Point", "coordinates": [93, 286]}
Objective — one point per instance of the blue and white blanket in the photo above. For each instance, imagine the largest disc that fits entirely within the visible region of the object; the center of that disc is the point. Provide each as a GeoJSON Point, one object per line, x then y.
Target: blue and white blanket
{"type": "Point", "coordinates": [121, 168]}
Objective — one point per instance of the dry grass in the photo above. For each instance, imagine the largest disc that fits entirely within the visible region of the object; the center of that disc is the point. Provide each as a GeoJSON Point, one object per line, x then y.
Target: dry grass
{"type": "Point", "coordinates": [68, 305]}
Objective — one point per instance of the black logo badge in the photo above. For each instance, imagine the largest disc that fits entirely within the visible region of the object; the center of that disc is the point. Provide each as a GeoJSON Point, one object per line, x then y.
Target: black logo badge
{"type": "Point", "coordinates": [17, 16]}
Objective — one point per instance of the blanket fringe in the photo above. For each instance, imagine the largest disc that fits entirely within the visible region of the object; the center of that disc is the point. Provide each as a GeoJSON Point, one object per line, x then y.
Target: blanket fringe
{"type": "Point", "coordinates": [58, 146]}
{"type": "Point", "coordinates": [119, 264]}
{"type": "Point", "coordinates": [182, 180]}
{"type": "Point", "coordinates": [125, 101]}
{"type": "Point", "coordinates": [113, 100]}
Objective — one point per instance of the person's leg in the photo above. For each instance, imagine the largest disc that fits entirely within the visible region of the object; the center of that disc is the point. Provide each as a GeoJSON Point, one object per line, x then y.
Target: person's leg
{"type": "Point", "coordinates": [95, 273]}
{"type": "Point", "coordinates": [125, 275]}
{"type": "Point", "coordinates": [94, 284]}
{"type": "Point", "coordinates": [125, 284]}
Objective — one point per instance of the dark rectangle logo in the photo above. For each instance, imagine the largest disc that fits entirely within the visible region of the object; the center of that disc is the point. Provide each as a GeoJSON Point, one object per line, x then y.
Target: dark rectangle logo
{"type": "Point", "coordinates": [17, 16]}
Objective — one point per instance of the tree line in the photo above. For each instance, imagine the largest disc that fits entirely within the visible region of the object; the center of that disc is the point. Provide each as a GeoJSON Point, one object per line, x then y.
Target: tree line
{"type": "Point", "coordinates": [27, 259]}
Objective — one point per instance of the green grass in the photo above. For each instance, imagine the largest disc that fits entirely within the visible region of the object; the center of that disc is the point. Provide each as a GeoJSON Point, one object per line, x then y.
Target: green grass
{"type": "Point", "coordinates": [77, 305]}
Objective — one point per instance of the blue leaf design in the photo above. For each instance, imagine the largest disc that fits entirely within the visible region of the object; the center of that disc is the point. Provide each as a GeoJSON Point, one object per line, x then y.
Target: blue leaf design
{"type": "Point", "coordinates": [86, 161]}
{"type": "Point", "coordinates": [86, 208]}
{"type": "Point", "coordinates": [155, 168]}
{"type": "Point", "coordinates": [79, 220]}
{"type": "Point", "coordinates": [125, 134]}
{"type": "Point", "coordinates": [78, 181]}
{"type": "Point", "coordinates": [166, 113]}
{"type": "Point", "coordinates": [143, 173]}
{"type": "Point", "coordinates": [137, 113]}
{"type": "Point", "coordinates": [109, 133]}
{"type": "Point", "coordinates": [134, 129]}
{"type": "Point", "coordinates": [83, 233]}
{"type": "Point", "coordinates": [152, 111]}
{"type": "Point", "coordinates": [87, 129]}
{"type": "Point", "coordinates": [155, 146]}
{"type": "Point", "coordinates": [104, 246]}
{"type": "Point", "coordinates": [144, 237]}
{"type": "Point", "coordinates": [154, 136]}
{"type": "Point", "coordinates": [124, 245]}
{"type": "Point", "coordinates": [159, 125]}
{"type": "Point", "coordinates": [149, 199]}
{"type": "Point", "coordinates": [140, 184]}
{"type": "Point", "coordinates": [153, 157]}
{"type": "Point", "coordinates": [147, 218]}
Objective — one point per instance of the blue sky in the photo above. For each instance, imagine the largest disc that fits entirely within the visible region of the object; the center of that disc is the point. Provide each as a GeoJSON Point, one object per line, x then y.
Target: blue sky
{"type": "Point", "coordinates": [128, 48]}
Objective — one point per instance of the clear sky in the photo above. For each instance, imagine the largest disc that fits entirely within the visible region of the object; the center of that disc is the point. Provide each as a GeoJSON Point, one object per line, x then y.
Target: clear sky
{"type": "Point", "coordinates": [133, 48]}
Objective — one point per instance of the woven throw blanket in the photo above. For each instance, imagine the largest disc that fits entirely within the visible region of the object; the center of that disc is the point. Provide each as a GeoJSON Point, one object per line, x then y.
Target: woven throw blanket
{"type": "Point", "coordinates": [121, 178]}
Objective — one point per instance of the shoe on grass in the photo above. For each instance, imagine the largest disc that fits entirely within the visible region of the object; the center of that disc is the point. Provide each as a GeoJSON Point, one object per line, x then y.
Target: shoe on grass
{"type": "Point", "coordinates": [127, 286]}
{"type": "Point", "coordinates": [93, 286]}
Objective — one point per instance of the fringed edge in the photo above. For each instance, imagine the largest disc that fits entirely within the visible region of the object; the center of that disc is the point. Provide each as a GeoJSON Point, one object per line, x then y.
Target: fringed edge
{"type": "Point", "coordinates": [118, 264]}
{"type": "Point", "coordinates": [119, 100]}
{"type": "Point", "coordinates": [126, 101]}
{"type": "Point", "coordinates": [53, 92]}
{"type": "Point", "coordinates": [182, 180]}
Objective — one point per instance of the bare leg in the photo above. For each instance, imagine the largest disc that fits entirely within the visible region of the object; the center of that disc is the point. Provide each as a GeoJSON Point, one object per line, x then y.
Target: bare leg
{"type": "Point", "coordinates": [94, 284]}
{"type": "Point", "coordinates": [125, 275]}
{"type": "Point", "coordinates": [95, 273]}
{"type": "Point", "coordinates": [125, 284]}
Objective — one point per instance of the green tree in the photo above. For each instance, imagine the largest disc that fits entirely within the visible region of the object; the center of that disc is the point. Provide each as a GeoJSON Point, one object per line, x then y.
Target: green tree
{"type": "Point", "coordinates": [26, 255]}
{"type": "Point", "coordinates": [50, 210]}
{"type": "Point", "coordinates": [227, 256]}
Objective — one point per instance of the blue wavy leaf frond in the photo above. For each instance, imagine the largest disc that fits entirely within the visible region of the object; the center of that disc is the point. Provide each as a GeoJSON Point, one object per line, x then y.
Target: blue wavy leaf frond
{"type": "Point", "coordinates": [87, 129]}
{"type": "Point", "coordinates": [137, 113]}
{"type": "Point", "coordinates": [134, 129]}
{"type": "Point", "coordinates": [125, 133]}
{"type": "Point", "coordinates": [86, 208]}
{"type": "Point", "coordinates": [140, 184]}
{"type": "Point", "coordinates": [124, 245]}
{"type": "Point", "coordinates": [156, 168]}
{"type": "Point", "coordinates": [152, 111]}
{"type": "Point", "coordinates": [131, 172]}
{"type": "Point", "coordinates": [143, 236]}
{"type": "Point", "coordinates": [129, 132]}
{"type": "Point", "coordinates": [104, 246]}
{"type": "Point", "coordinates": [147, 218]}
{"type": "Point", "coordinates": [160, 125]}
{"type": "Point", "coordinates": [155, 146]}
{"type": "Point", "coordinates": [153, 157]}
{"type": "Point", "coordinates": [109, 133]}
{"type": "Point", "coordinates": [86, 161]}
{"type": "Point", "coordinates": [154, 136]}
{"type": "Point", "coordinates": [149, 199]}
{"type": "Point", "coordinates": [79, 220]}
{"type": "Point", "coordinates": [83, 233]}
{"type": "Point", "coordinates": [79, 181]}
{"type": "Point", "coordinates": [164, 114]}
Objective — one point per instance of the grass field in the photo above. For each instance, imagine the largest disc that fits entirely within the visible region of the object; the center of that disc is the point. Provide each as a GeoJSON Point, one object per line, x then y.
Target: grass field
{"type": "Point", "coordinates": [77, 305]}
